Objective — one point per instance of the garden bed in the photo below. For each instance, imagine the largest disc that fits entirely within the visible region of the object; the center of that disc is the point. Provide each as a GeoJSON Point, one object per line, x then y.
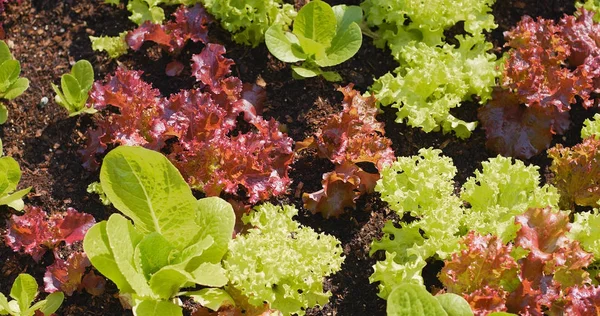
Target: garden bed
{"type": "Point", "coordinates": [48, 37]}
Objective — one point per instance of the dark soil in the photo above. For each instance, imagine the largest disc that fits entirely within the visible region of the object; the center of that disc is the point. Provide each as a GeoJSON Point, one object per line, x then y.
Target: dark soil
{"type": "Point", "coordinates": [48, 36]}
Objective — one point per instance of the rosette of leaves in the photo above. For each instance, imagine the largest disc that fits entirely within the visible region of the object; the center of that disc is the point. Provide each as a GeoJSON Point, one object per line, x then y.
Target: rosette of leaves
{"type": "Point", "coordinates": [434, 76]}
{"type": "Point", "coordinates": [544, 271]}
{"type": "Point", "coordinates": [422, 186]}
{"type": "Point", "coordinates": [172, 241]}
{"type": "Point", "coordinates": [199, 125]}
{"type": "Point", "coordinates": [35, 232]}
{"type": "Point", "coordinates": [23, 293]}
{"type": "Point", "coordinates": [280, 262]}
{"type": "Point", "coordinates": [577, 173]}
{"type": "Point", "coordinates": [349, 138]}
{"type": "Point", "coordinates": [11, 85]}
{"type": "Point", "coordinates": [322, 36]}
{"type": "Point", "coordinates": [75, 87]}
{"type": "Point", "coordinates": [548, 66]}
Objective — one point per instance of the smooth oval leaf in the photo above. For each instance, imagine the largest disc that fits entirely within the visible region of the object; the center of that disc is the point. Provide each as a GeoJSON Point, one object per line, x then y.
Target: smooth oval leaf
{"type": "Point", "coordinates": [305, 72]}
{"type": "Point", "coordinates": [10, 174]}
{"type": "Point", "coordinates": [346, 15]}
{"type": "Point", "coordinates": [157, 308]}
{"type": "Point", "coordinates": [210, 274]}
{"type": "Point", "coordinates": [3, 113]}
{"type": "Point", "coordinates": [280, 44]}
{"type": "Point", "coordinates": [16, 88]}
{"type": "Point", "coordinates": [52, 303]}
{"type": "Point", "coordinates": [123, 238]}
{"type": "Point", "coordinates": [212, 298]}
{"type": "Point", "coordinates": [97, 248]}
{"type": "Point", "coordinates": [413, 299]}
{"type": "Point", "coordinates": [153, 253]}
{"type": "Point", "coordinates": [343, 47]}
{"type": "Point", "coordinates": [4, 52]}
{"type": "Point", "coordinates": [9, 72]}
{"type": "Point", "coordinates": [331, 76]}
{"type": "Point", "coordinates": [145, 186]}
{"type": "Point", "coordinates": [216, 219]}
{"type": "Point", "coordinates": [454, 305]}
{"type": "Point", "coordinates": [167, 281]}
{"type": "Point", "coordinates": [71, 88]}
{"type": "Point", "coordinates": [84, 73]}
{"type": "Point", "coordinates": [24, 290]}
{"type": "Point", "coordinates": [316, 21]}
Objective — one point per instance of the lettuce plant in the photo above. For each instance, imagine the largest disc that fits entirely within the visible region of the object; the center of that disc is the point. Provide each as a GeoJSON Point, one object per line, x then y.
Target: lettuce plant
{"type": "Point", "coordinates": [23, 292]}
{"type": "Point", "coordinates": [11, 85]}
{"type": "Point", "coordinates": [422, 186]}
{"type": "Point", "coordinates": [10, 175]}
{"type": "Point", "coordinates": [548, 66]}
{"type": "Point", "coordinates": [281, 263]}
{"type": "Point", "coordinates": [546, 274]}
{"type": "Point", "coordinates": [576, 171]}
{"type": "Point", "coordinates": [349, 138]}
{"type": "Point", "coordinates": [35, 232]}
{"type": "Point", "coordinates": [75, 87]}
{"type": "Point", "coordinates": [433, 76]}
{"type": "Point", "coordinates": [322, 36]}
{"type": "Point", "coordinates": [248, 20]}
{"type": "Point", "coordinates": [175, 241]}
{"type": "Point", "coordinates": [591, 127]}
{"type": "Point", "coordinates": [198, 124]}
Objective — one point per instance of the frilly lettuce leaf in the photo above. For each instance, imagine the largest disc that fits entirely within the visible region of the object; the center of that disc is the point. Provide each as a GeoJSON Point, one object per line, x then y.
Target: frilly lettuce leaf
{"type": "Point", "coordinates": [433, 79]}
{"type": "Point", "coordinates": [591, 127]}
{"type": "Point", "coordinates": [503, 189]}
{"type": "Point", "coordinates": [585, 230]}
{"type": "Point", "coordinates": [280, 262]}
{"type": "Point", "coordinates": [248, 20]}
{"type": "Point", "coordinates": [577, 172]}
{"type": "Point", "coordinates": [115, 46]}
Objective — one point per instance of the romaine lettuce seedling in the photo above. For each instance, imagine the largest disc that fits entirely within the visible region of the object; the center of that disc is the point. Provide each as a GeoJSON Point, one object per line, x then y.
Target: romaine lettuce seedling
{"type": "Point", "coordinates": [23, 291]}
{"type": "Point", "coordinates": [11, 86]}
{"type": "Point", "coordinates": [175, 241]}
{"type": "Point", "coordinates": [322, 36]}
{"type": "Point", "coordinates": [75, 88]}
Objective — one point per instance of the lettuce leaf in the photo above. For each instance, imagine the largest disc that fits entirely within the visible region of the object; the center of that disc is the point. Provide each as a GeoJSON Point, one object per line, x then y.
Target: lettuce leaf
{"type": "Point", "coordinates": [280, 262]}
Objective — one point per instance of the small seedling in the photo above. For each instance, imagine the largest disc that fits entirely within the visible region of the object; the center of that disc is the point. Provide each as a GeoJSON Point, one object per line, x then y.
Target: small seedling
{"type": "Point", "coordinates": [322, 36]}
{"type": "Point", "coordinates": [75, 88]}
{"type": "Point", "coordinates": [23, 291]}
{"type": "Point", "coordinates": [11, 86]}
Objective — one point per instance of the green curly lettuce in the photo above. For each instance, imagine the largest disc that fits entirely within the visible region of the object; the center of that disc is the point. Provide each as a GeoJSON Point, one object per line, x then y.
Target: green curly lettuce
{"type": "Point", "coordinates": [435, 79]}
{"type": "Point", "coordinates": [591, 127]}
{"type": "Point", "coordinates": [503, 190]}
{"type": "Point", "coordinates": [280, 262]}
{"type": "Point", "coordinates": [423, 186]}
{"type": "Point", "coordinates": [401, 21]}
{"type": "Point", "coordinates": [115, 46]}
{"type": "Point", "coordinates": [248, 20]}
{"type": "Point", "coordinates": [585, 230]}
{"type": "Point", "coordinates": [434, 76]}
